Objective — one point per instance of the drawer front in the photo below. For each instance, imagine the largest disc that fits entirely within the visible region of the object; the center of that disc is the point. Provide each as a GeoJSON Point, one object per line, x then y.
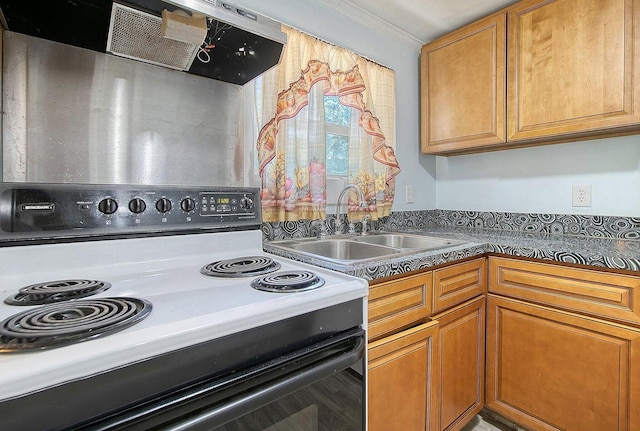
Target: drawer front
{"type": "Point", "coordinates": [399, 304]}
{"type": "Point", "coordinates": [455, 284]}
{"type": "Point", "coordinates": [602, 294]}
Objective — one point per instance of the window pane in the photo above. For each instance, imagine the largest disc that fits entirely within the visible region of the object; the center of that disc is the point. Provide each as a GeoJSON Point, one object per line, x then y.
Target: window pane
{"type": "Point", "coordinates": [337, 154]}
{"type": "Point", "coordinates": [335, 112]}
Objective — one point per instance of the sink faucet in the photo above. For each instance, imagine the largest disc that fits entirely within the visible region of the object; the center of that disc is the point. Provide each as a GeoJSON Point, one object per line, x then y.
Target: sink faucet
{"type": "Point", "coordinates": [339, 203]}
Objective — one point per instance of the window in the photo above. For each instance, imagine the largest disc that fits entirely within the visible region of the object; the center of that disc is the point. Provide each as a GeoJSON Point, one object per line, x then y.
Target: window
{"type": "Point", "coordinates": [337, 119]}
{"type": "Point", "coordinates": [309, 144]}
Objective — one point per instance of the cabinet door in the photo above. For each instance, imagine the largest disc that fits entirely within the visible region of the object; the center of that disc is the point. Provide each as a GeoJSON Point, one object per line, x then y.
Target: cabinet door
{"type": "Point", "coordinates": [573, 68]}
{"type": "Point", "coordinates": [400, 381]}
{"type": "Point", "coordinates": [461, 360]}
{"type": "Point", "coordinates": [554, 370]}
{"type": "Point", "coordinates": [463, 86]}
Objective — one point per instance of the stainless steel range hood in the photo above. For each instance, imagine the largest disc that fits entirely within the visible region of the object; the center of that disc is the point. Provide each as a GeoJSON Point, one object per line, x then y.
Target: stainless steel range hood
{"type": "Point", "coordinates": [241, 44]}
{"type": "Point", "coordinates": [240, 18]}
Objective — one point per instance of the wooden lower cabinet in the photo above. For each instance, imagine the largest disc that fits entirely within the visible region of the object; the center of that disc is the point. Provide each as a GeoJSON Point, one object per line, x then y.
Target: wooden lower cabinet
{"type": "Point", "coordinates": [401, 373]}
{"type": "Point", "coordinates": [461, 359]}
{"type": "Point", "coordinates": [555, 370]}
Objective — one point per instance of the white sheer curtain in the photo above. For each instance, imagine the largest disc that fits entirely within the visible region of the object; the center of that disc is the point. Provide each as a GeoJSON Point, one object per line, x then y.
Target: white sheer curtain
{"type": "Point", "coordinates": [291, 143]}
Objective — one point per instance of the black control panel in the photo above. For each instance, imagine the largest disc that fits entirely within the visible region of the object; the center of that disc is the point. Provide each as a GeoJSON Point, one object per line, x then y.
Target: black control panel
{"type": "Point", "coordinates": [96, 209]}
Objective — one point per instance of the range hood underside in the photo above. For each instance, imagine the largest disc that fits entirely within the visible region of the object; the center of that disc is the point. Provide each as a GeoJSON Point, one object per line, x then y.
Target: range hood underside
{"type": "Point", "coordinates": [238, 56]}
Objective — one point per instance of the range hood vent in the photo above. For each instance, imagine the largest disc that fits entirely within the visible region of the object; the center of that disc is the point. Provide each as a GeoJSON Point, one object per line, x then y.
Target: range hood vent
{"type": "Point", "coordinates": [239, 45]}
{"type": "Point", "coordinates": [243, 44]}
{"type": "Point", "coordinates": [137, 35]}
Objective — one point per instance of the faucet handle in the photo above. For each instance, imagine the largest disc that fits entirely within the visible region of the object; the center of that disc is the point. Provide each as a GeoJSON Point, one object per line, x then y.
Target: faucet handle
{"type": "Point", "coordinates": [352, 227]}
{"type": "Point", "coordinates": [322, 231]}
{"type": "Point", "coordinates": [365, 219]}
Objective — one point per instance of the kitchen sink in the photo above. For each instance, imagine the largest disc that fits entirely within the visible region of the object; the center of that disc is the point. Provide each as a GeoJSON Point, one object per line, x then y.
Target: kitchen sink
{"type": "Point", "coordinates": [360, 248]}
{"type": "Point", "coordinates": [343, 249]}
{"type": "Point", "coordinates": [407, 241]}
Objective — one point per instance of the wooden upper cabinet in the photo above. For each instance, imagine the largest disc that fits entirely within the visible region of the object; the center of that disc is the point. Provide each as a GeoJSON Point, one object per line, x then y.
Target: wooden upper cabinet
{"type": "Point", "coordinates": [463, 87]}
{"type": "Point", "coordinates": [573, 68]}
{"type": "Point", "coordinates": [539, 71]}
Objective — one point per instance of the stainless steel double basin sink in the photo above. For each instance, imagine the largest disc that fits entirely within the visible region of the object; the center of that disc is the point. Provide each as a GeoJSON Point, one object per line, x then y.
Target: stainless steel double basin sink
{"type": "Point", "coordinates": [359, 248]}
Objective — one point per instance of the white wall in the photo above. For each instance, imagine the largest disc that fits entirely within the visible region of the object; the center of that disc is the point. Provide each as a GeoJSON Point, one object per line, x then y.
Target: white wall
{"type": "Point", "coordinates": [540, 179]}
{"type": "Point", "coordinates": [320, 20]}
{"type": "Point", "coordinates": [536, 180]}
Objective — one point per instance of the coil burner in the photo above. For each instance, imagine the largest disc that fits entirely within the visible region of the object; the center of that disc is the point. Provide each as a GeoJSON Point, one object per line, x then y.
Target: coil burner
{"type": "Point", "coordinates": [57, 325]}
{"type": "Point", "coordinates": [241, 267]}
{"type": "Point", "coordinates": [56, 291]}
{"type": "Point", "coordinates": [288, 281]}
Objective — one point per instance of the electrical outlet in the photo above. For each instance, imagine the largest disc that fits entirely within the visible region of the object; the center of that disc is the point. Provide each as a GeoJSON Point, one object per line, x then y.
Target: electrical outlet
{"type": "Point", "coordinates": [581, 195]}
{"type": "Point", "coordinates": [409, 194]}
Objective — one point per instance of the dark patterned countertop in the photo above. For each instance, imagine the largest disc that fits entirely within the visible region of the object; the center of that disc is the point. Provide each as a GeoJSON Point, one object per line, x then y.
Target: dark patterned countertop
{"type": "Point", "coordinates": [613, 253]}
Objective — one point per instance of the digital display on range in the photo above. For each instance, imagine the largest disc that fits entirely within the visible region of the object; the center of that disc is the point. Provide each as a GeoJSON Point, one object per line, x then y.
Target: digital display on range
{"type": "Point", "coordinates": [227, 205]}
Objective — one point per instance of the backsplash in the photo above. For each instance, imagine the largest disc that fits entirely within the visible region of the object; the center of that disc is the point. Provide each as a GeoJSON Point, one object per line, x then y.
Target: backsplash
{"type": "Point", "coordinates": [72, 115]}
{"type": "Point", "coordinates": [566, 224]}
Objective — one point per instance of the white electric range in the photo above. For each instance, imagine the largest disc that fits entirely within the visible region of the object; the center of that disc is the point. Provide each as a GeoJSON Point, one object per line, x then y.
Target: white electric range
{"type": "Point", "coordinates": [181, 274]}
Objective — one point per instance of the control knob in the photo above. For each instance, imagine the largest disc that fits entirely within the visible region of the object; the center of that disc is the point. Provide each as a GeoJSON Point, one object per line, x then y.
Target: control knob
{"type": "Point", "coordinates": [108, 206]}
{"type": "Point", "coordinates": [163, 205]}
{"type": "Point", "coordinates": [187, 205]}
{"type": "Point", "coordinates": [137, 205]}
{"type": "Point", "coordinates": [246, 204]}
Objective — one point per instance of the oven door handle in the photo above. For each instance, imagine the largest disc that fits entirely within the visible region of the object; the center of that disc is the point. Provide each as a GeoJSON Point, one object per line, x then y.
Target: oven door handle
{"type": "Point", "coordinates": [234, 408]}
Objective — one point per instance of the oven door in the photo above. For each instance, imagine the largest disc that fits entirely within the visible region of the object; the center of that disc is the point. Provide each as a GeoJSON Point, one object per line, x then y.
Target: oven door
{"type": "Point", "coordinates": [318, 388]}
